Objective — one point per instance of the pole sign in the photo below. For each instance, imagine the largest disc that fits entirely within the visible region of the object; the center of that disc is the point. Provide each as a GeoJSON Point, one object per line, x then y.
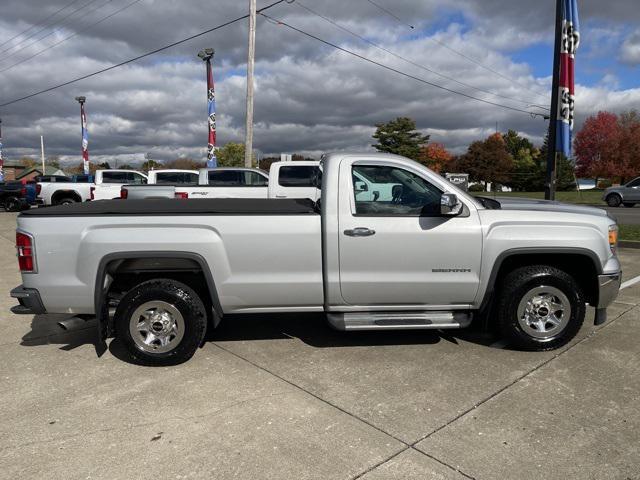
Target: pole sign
{"type": "Point", "coordinates": [85, 140]}
{"type": "Point", "coordinates": [460, 180]}
{"type": "Point", "coordinates": [212, 161]}
{"type": "Point", "coordinates": [568, 45]}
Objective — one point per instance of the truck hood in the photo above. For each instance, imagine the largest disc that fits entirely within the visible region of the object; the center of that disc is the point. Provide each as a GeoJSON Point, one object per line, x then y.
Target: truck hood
{"type": "Point", "coordinates": [517, 203]}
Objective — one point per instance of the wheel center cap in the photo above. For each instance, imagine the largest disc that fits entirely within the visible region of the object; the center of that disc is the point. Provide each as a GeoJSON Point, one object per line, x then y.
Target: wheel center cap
{"type": "Point", "coordinates": [157, 326]}
{"type": "Point", "coordinates": [543, 311]}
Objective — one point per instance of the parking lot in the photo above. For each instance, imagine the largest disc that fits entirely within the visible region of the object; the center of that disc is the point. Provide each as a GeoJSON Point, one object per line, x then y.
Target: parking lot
{"type": "Point", "coordinates": [287, 397]}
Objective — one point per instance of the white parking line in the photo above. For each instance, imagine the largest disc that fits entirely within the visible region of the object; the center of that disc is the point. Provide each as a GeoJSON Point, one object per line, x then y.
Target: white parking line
{"type": "Point", "coordinates": [628, 283]}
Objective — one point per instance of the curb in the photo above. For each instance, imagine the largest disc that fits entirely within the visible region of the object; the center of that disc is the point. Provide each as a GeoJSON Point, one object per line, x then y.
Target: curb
{"type": "Point", "coordinates": [628, 244]}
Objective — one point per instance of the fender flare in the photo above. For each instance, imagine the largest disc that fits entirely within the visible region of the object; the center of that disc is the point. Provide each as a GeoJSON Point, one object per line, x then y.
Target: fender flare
{"type": "Point", "coordinates": [100, 292]}
{"type": "Point", "coordinates": [514, 252]}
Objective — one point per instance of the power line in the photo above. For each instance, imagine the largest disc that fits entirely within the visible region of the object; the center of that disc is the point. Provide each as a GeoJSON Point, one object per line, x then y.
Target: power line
{"type": "Point", "coordinates": [47, 26]}
{"type": "Point", "coordinates": [442, 44]}
{"type": "Point", "coordinates": [139, 57]}
{"type": "Point", "coordinates": [71, 36]}
{"type": "Point", "coordinates": [39, 23]}
{"type": "Point", "coordinates": [391, 14]}
{"type": "Point", "coordinates": [98, 7]}
{"type": "Point", "coordinates": [400, 72]}
{"type": "Point", "coordinates": [423, 67]}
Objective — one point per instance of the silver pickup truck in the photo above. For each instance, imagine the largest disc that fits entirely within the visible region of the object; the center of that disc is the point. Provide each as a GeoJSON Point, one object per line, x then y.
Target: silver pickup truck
{"type": "Point", "coordinates": [416, 253]}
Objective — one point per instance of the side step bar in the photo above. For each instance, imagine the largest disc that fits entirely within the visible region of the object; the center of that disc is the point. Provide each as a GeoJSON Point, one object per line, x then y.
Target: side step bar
{"type": "Point", "coordinates": [398, 320]}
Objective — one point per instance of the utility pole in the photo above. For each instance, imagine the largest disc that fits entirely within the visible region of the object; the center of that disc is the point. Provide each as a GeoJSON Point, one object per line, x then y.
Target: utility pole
{"type": "Point", "coordinates": [42, 154]}
{"type": "Point", "coordinates": [550, 184]}
{"type": "Point", "coordinates": [248, 141]}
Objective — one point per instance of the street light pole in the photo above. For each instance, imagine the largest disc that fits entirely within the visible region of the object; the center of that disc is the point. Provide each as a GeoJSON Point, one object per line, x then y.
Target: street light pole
{"type": "Point", "coordinates": [206, 55]}
{"type": "Point", "coordinates": [248, 142]}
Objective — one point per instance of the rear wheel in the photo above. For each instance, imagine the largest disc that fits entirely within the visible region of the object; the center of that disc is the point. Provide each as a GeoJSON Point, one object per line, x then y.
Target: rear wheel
{"type": "Point", "coordinates": [12, 204]}
{"type": "Point", "coordinates": [614, 200]}
{"type": "Point", "coordinates": [629, 204]}
{"type": "Point", "coordinates": [161, 322]}
{"type": "Point", "coordinates": [66, 201]}
{"type": "Point", "coordinates": [540, 307]}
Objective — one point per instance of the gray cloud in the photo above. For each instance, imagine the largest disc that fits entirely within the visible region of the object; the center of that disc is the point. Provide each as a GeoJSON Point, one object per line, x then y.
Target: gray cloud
{"type": "Point", "coordinates": [309, 97]}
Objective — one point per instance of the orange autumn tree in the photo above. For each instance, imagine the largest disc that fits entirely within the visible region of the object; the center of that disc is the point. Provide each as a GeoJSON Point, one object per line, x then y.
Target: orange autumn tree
{"type": "Point", "coordinates": [435, 156]}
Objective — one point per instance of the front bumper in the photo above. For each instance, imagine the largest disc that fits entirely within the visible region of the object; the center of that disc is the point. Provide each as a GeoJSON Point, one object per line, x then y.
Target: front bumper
{"type": "Point", "coordinates": [608, 288]}
{"type": "Point", "coordinates": [30, 301]}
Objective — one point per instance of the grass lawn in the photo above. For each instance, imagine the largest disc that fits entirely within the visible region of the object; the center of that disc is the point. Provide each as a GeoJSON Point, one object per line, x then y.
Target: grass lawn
{"type": "Point", "coordinates": [629, 232]}
{"type": "Point", "coordinates": [593, 197]}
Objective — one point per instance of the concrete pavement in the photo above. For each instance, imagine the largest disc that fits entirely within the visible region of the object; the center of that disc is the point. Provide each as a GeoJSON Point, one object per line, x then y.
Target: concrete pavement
{"type": "Point", "coordinates": [287, 397]}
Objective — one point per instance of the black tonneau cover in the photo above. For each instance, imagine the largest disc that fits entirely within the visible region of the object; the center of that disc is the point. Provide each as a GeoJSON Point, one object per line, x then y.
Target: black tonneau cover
{"type": "Point", "coordinates": [170, 206]}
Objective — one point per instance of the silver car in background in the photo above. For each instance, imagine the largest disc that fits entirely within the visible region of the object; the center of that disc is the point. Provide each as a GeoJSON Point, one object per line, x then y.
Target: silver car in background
{"type": "Point", "coordinates": [627, 195]}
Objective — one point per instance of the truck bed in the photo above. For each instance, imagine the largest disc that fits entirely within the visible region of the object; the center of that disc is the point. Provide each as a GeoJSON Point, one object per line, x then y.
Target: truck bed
{"type": "Point", "coordinates": [167, 206]}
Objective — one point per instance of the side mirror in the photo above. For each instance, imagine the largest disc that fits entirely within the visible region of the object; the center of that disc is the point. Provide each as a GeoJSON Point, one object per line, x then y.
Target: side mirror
{"type": "Point", "coordinates": [450, 206]}
{"type": "Point", "coordinates": [360, 186]}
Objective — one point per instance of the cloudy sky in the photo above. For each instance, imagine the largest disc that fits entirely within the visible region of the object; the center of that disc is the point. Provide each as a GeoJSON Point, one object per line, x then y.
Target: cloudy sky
{"type": "Point", "coordinates": [310, 97]}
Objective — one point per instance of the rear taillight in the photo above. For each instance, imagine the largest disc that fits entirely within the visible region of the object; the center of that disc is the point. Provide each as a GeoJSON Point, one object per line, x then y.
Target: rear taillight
{"type": "Point", "coordinates": [182, 195]}
{"type": "Point", "coordinates": [92, 193]}
{"type": "Point", "coordinates": [26, 256]}
{"type": "Point", "coordinates": [23, 191]}
{"type": "Point", "coordinates": [124, 193]}
{"type": "Point", "coordinates": [38, 188]}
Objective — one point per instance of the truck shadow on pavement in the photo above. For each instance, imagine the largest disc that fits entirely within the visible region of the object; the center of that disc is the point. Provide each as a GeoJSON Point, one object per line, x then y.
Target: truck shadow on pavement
{"type": "Point", "coordinates": [45, 330]}
{"type": "Point", "coordinates": [315, 331]}
{"type": "Point", "coordinates": [311, 329]}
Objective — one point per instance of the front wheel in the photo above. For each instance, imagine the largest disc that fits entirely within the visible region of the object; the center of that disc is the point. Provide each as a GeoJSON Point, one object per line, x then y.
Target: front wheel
{"type": "Point", "coordinates": [161, 322]}
{"type": "Point", "coordinates": [540, 307]}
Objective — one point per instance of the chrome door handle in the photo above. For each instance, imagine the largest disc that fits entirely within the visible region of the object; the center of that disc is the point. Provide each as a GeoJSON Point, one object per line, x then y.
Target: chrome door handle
{"type": "Point", "coordinates": [360, 232]}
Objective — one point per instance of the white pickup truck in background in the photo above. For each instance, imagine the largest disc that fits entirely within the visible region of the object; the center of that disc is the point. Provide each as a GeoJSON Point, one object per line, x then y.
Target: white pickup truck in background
{"type": "Point", "coordinates": [106, 186]}
{"type": "Point", "coordinates": [207, 183]}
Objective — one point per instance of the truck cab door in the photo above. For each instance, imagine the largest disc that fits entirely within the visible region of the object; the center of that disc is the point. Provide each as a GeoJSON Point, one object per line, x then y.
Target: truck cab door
{"type": "Point", "coordinates": [395, 248]}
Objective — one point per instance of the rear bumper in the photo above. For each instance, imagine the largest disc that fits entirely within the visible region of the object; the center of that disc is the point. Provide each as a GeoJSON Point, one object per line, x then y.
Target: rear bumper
{"type": "Point", "coordinates": [30, 301]}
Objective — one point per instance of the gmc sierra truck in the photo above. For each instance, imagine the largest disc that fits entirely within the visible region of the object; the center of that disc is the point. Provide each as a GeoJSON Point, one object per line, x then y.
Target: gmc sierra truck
{"type": "Point", "coordinates": [416, 254]}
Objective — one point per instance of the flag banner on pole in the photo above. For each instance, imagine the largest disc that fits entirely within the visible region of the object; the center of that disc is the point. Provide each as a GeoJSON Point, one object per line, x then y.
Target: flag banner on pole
{"type": "Point", "coordinates": [568, 46]}
{"type": "Point", "coordinates": [212, 161]}
{"type": "Point", "coordinates": [1, 160]}
{"type": "Point", "coordinates": [85, 141]}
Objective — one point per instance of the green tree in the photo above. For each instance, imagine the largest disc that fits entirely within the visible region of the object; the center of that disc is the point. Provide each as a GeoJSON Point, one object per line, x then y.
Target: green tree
{"type": "Point", "coordinates": [232, 155]}
{"type": "Point", "coordinates": [526, 171]}
{"type": "Point", "coordinates": [400, 136]}
{"type": "Point", "coordinates": [150, 165]}
{"type": "Point", "coordinates": [565, 178]}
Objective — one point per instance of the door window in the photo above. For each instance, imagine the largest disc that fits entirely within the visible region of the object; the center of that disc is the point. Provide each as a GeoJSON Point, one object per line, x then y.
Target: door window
{"type": "Point", "coordinates": [254, 179]}
{"type": "Point", "coordinates": [135, 178]}
{"type": "Point", "coordinates": [634, 183]}
{"type": "Point", "coordinates": [393, 192]}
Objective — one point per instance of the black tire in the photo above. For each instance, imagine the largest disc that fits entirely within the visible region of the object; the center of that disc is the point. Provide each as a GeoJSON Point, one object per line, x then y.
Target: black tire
{"type": "Point", "coordinates": [12, 204]}
{"type": "Point", "coordinates": [179, 296]}
{"type": "Point", "coordinates": [519, 285]}
{"type": "Point", "coordinates": [629, 204]}
{"type": "Point", "coordinates": [66, 201]}
{"type": "Point", "coordinates": [614, 200]}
